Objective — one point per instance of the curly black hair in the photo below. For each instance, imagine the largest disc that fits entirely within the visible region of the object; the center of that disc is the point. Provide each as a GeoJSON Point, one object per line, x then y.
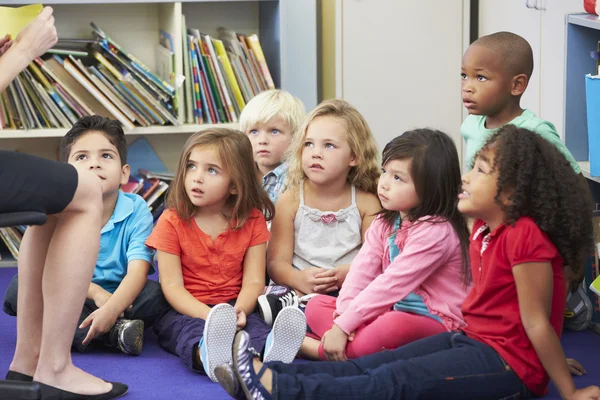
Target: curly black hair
{"type": "Point", "coordinates": [543, 186]}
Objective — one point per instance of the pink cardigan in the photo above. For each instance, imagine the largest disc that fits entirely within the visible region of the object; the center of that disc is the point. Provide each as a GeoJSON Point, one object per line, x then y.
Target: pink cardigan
{"type": "Point", "coordinates": [429, 264]}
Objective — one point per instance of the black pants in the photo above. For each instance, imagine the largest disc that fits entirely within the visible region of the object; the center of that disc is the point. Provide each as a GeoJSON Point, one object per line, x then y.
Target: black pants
{"type": "Point", "coordinates": [149, 304]}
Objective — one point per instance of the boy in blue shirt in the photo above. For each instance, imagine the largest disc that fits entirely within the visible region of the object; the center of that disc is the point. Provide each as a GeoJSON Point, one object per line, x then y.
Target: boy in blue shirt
{"type": "Point", "coordinates": [495, 72]}
{"type": "Point", "coordinates": [120, 300]}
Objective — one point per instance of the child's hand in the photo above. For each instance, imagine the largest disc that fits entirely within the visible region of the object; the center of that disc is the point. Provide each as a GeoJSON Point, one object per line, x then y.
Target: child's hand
{"type": "Point", "coordinates": [588, 393]}
{"type": "Point", "coordinates": [101, 320]}
{"type": "Point", "coordinates": [241, 317]}
{"type": "Point", "coordinates": [101, 296]}
{"type": "Point", "coordinates": [339, 273]}
{"type": "Point", "coordinates": [334, 344]}
{"type": "Point", "coordinates": [575, 367]}
{"type": "Point", "coordinates": [309, 283]}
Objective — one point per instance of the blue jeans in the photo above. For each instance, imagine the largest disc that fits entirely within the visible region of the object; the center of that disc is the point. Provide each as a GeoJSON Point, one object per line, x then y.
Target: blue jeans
{"type": "Point", "coordinates": [445, 366]}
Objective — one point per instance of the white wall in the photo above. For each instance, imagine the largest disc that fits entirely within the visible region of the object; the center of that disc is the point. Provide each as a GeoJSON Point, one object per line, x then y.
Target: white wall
{"type": "Point", "coordinates": [400, 63]}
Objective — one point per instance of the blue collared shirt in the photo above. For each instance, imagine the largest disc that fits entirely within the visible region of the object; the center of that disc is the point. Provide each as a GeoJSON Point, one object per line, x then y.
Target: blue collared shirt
{"type": "Point", "coordinates": [122, 240]}
{"type": "Point", "coordinates": [273, 182]}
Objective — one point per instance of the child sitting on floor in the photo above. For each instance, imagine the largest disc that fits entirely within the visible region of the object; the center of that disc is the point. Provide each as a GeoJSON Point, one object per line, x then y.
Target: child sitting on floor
{"type": "Point", "coordinates": [211, 245]}
{"type": "Point", "coordinates": [328, 205]}
{"type": "Point", "coordinates": [121, 301]}
{"type": "Point", "coordinates": [412, 274]}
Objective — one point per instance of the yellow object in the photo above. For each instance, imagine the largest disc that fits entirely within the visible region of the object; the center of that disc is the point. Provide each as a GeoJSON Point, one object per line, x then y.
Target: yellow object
{"type": "Point", "coordinates": [222, 54]}
{"type": "Point", "coordinates": [12, 19]}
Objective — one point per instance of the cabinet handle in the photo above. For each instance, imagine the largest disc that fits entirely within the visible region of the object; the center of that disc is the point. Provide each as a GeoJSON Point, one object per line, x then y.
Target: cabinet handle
{"type": "Point", "coordinates": [540, 8]}
{"type": "Point", "coordinates": [534, 4]}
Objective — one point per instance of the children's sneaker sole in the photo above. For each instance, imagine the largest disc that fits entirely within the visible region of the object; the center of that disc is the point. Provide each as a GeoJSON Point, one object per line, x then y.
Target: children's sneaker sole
{"type": "Point", "coordinates": [219, 331]}
{"type": "Point", "coordinates": [287, 335]}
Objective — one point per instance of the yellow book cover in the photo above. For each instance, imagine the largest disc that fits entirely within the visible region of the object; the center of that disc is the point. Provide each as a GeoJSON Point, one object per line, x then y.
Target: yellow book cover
{"type": "Point", "coordinates": [39, 75]}
{"type": "Point", "coordinates": [222, 54]}
{"type": "Point", "coordinates": [12, 19]}
{"type": "Point", "coordinates": [254, 44]}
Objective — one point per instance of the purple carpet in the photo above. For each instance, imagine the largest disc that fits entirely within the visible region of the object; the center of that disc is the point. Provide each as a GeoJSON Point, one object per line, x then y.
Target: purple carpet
{"type": "Point", "coordinates": [157, 374]}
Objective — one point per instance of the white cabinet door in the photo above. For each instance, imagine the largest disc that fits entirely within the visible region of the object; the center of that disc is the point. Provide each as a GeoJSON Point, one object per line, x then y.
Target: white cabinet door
{"type": "Point", "coordinates": [514, 16]}
{"type": "Point", "coordinates": [401, 64]}
{"type": "Point", "coordinates": [552, 83]}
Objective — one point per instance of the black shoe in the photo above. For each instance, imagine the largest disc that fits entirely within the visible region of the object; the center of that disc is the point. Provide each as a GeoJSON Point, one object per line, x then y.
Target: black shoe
{"type": "Point", "coordinates": [17, 376]}
{"type": "Point", "coordinates": [270, 304]}
{"type": "Point", "coordinates": [580, 309]}
{"type": "Point", "coordinates": [54, 393]}
{"type": "Point", "coordinates": [126, 336]}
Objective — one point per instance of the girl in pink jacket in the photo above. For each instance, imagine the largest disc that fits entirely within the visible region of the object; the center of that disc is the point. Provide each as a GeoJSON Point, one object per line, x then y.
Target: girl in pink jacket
{"type": "Point", "coordinates": [411, 275]}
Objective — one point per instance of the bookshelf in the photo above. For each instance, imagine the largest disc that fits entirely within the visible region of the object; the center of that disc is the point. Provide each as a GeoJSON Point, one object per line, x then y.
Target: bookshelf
{"type": "Point", "coordinates": [287, 30]}
{"type": "Point", "coordinates": [582, 36]}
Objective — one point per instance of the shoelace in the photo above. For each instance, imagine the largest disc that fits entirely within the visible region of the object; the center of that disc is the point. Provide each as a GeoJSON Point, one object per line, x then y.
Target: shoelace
{"type": "Point", "coordinates": [287, 299]}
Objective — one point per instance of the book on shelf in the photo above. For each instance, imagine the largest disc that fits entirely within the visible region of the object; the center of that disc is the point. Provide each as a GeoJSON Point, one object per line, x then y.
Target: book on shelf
{"type": "Point", "coordinates": [87, 76]}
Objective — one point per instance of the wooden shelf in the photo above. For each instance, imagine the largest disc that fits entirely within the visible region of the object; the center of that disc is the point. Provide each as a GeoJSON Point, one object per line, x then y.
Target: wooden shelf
{"type": "Point", "coordinates": [585, 170]}
{"type": "Point", "coordinates": [151, 130]}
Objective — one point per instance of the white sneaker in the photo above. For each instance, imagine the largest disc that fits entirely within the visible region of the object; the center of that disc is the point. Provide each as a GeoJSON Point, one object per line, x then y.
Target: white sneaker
{"type": "Point", "coordinates": [289, 330]}
{"type": "Point", "coordinates": [217, 339]}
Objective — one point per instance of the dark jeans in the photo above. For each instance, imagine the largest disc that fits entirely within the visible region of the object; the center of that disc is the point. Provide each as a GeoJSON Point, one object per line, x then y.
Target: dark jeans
{"type": "Point", "coordinates": [179, 334]}
{"type": "Point", "coordinates": [445, 366]}
{"type": "Point", "coordinates": [149, 304]}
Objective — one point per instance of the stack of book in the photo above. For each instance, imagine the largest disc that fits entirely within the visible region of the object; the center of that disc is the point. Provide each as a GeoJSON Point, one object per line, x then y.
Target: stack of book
{"type": "Point", "coordinates": [153, 187]}
{"type": "Point", "coordinates": [67, 84]}
{"type": "Point", "coordinates": [82, 77]}
{"type": "Point", "coordinates": [221, 75]}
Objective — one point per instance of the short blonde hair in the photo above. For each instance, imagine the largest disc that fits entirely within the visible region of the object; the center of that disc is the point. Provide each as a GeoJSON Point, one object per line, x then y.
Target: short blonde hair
{"type": "Point", "coordinates": [365, 174]}
{"type": "Point", "coordinates": [271, 104]}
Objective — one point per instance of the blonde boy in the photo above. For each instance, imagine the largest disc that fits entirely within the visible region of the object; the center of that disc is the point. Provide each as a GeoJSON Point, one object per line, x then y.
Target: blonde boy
{"type": "Point", "coordinates": [271, 120]}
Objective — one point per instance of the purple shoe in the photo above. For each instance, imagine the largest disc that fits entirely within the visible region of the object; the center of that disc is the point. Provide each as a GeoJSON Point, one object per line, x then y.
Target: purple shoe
{"type": "Point", "coordinates": [243, 368]}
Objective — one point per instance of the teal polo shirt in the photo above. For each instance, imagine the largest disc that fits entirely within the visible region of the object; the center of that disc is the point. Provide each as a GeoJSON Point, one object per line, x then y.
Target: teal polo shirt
{"type": "Point", "coordinates": [122, 240]}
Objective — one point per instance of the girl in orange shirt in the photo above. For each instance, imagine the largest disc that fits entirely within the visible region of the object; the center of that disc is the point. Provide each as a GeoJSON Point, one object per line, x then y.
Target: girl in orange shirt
{"type": "Point", "coordinates": [211, 246]}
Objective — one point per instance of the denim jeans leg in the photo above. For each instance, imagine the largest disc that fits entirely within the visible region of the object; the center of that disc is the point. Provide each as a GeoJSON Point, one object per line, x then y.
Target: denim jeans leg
{"type": "Point", "coordinates": [360, 365]}
{"type": "Point", "coordinates": [467, 370]}
{"type": "Point", "coordinates": [149, 304]}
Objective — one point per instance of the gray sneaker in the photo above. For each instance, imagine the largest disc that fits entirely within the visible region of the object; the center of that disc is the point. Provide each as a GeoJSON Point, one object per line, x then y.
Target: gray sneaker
{"type": "Point", "coordinates": [578, 314]}
{"type": "Point", "coordinates": [127, 336]}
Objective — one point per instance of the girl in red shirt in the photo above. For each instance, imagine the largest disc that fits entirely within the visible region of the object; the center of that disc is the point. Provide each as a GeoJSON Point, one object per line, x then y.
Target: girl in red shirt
{"type": "Point", "coordinates": [532, 217]}
{"type": "Point", "coordinates": [211, 246]}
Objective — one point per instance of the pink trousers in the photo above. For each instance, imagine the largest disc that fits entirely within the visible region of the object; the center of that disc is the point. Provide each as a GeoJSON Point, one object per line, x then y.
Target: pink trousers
{"type": "Point", "coordinates": [390, 330]}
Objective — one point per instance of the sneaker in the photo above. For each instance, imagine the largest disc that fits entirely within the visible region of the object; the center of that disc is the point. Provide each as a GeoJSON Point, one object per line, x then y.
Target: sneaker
{"type": "Point", "coordinates": [595, 286]}
{"type": "Point", "coordinates": [243, 368]}
{"type": "Point", "coordinates": [127, 336]}
{"type": "Point", "coordinates": [217, 339]}
{"type": "Point", "coordinates": [287, 335]}
{"type": "Point", "coordinates": [578, 314]}
{"type": "Point", "coordinates": [269, 305]}
{"type": "Point", "coordinates": [229, 382]}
